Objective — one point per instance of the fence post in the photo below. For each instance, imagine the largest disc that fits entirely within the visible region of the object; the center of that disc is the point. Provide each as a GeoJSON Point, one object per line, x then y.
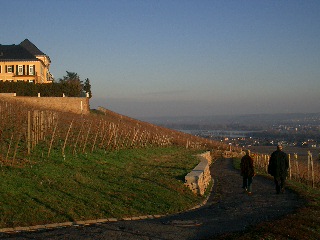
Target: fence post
{"type": "Point", "coordinates": [297, 164]}
{"type": "Point", "coordinates": [309, 165]}
{"type": "Point", "coordinates": [266, 160]}
{"type": "Point", "coordinates": [290, 173]}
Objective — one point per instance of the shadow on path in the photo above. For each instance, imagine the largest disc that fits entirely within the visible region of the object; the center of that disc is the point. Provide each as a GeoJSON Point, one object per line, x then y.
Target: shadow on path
{"type": "Point", "coordinates": [228, 209]}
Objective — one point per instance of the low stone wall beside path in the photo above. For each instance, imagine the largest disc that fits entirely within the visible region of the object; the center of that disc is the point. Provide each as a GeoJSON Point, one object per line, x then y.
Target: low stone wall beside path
{"type": "Point", "coordinates": [199, 178]}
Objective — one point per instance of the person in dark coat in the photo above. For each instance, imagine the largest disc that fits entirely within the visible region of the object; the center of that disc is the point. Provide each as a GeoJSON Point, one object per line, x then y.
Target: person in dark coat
{"type": "Point", "coordinates": [247, 172]}
{"type": "Point", "coordinates": [278, 168]}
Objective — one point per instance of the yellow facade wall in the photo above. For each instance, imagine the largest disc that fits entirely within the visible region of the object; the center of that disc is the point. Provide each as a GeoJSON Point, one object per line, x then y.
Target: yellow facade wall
{"type": "Point", "coordinates": [33, 71]}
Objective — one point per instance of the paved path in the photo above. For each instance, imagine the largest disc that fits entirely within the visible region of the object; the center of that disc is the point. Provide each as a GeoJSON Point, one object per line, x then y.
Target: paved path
{"type": "Point", "coordinates": [228, 209]}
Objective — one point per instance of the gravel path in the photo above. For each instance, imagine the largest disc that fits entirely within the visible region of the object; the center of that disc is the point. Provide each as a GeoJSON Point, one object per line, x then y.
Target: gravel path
{"type": "Point", "coordinates": [228, 209]}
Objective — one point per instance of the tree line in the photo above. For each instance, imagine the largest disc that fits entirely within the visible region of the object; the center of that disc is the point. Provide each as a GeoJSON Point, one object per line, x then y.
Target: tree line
{"type": "Point", "coordinates": [70, 86]}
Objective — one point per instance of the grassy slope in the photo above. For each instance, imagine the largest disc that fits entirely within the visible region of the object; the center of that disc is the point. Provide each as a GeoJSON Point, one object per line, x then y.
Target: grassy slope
{"type": "Point", "coordinates": [100, 185]}
{"type": "Point", "coordinates": [125, 183]}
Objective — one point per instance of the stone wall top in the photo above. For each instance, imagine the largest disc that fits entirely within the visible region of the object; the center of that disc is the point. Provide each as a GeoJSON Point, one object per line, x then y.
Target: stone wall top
{"type": "Point", "coordinates": [79, 105]}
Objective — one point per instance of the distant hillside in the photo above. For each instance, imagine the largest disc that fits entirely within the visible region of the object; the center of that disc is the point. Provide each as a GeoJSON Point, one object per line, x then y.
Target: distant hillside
{"type": "Point", "coordinates": [256, 121]}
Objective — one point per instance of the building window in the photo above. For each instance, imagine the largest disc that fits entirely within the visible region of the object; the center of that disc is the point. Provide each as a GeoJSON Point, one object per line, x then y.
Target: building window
{"type": "Point", "coordinates": [20, 70]}
{"type": "Point", "coordinates": [31, 81]}
{"type": "Point", "coordinates": [10, 69]}
{"type": "Point", "coordinates": [31, 69]}
{"type": "Point", "coordinates": [0, 69]}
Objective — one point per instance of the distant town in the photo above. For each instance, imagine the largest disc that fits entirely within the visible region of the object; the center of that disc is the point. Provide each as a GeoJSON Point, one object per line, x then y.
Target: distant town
{"type": "Point", "coordinates": [295, 134]}
{"type": "Point", "coordinates": [294, 130]}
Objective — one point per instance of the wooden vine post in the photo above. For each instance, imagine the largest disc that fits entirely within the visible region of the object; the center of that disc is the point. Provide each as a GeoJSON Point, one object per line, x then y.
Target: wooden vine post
{"type": "Point", "coordinates": [9, 147]}
{"type": "Point", "coordinates": [29, 133]}
{"type": "Point", "coordinates": [15, 149]}
{"type": "Point", "coordinates": [65, 141]}
{"type": "Point", "coordinates": [86, 139]}
{"type": "Point", "coordinates": [104, 134]}
{"type": "Point", "coordinates": [96, 136]}
{"type": "Point", "coordinates": [52, 138]}
{"type": "Point", "coordinates": [75, 144]}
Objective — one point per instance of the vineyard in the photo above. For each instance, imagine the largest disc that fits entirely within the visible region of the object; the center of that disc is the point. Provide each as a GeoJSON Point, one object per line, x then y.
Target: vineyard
{"type": "Point", "coordinates": [27, 133]}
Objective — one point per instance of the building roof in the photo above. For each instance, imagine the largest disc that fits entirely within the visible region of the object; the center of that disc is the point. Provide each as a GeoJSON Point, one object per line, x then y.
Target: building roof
{"type": "Point", "coordinates": [31, 47]}
{"type": "Point", "coordinates": [26, 50]}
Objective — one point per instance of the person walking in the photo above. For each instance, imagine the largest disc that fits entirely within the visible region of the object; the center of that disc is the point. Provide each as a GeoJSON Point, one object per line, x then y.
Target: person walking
{"type": "Point", "coordinates": [278, 168]}
{"type": "Point", "coordinates": [247, 172]}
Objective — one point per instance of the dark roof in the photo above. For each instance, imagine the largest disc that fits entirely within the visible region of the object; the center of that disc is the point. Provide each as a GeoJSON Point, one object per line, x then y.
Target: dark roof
{"type": "Point", "coordinates": [26, 50]}
{"type": "Point", "coordinates": [31, 47]}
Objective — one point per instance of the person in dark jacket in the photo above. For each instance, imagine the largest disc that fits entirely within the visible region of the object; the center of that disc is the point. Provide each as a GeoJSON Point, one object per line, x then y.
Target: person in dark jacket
{"type": "Point", "coordinates": [278, 168]}
{"type": "Point", "coordinates": [247, 172]}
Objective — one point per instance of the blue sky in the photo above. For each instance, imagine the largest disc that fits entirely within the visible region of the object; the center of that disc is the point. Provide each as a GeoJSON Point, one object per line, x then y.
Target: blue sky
{"type": "Point", "coordinates": [179, 57]}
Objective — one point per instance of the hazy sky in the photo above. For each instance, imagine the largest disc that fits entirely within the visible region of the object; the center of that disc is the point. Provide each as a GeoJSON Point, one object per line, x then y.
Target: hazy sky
{"type": "Point", "coordinates": [179, 57]}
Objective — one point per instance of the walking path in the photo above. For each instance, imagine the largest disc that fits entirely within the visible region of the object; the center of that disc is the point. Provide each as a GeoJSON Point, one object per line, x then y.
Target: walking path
{"type": "Point", "coordinates": [228, 209]}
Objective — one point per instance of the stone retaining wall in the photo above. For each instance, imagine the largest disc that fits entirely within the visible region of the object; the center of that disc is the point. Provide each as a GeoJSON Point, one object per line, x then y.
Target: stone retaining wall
{"type": "Point", "coordinates": [199, 178]}
{"type": "Point", "coordinates": [78, 105]}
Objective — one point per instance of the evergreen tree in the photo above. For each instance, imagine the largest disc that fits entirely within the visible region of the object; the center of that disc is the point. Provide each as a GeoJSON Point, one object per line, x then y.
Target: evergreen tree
{"type": "Point", "coordinates": [87, 87]}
